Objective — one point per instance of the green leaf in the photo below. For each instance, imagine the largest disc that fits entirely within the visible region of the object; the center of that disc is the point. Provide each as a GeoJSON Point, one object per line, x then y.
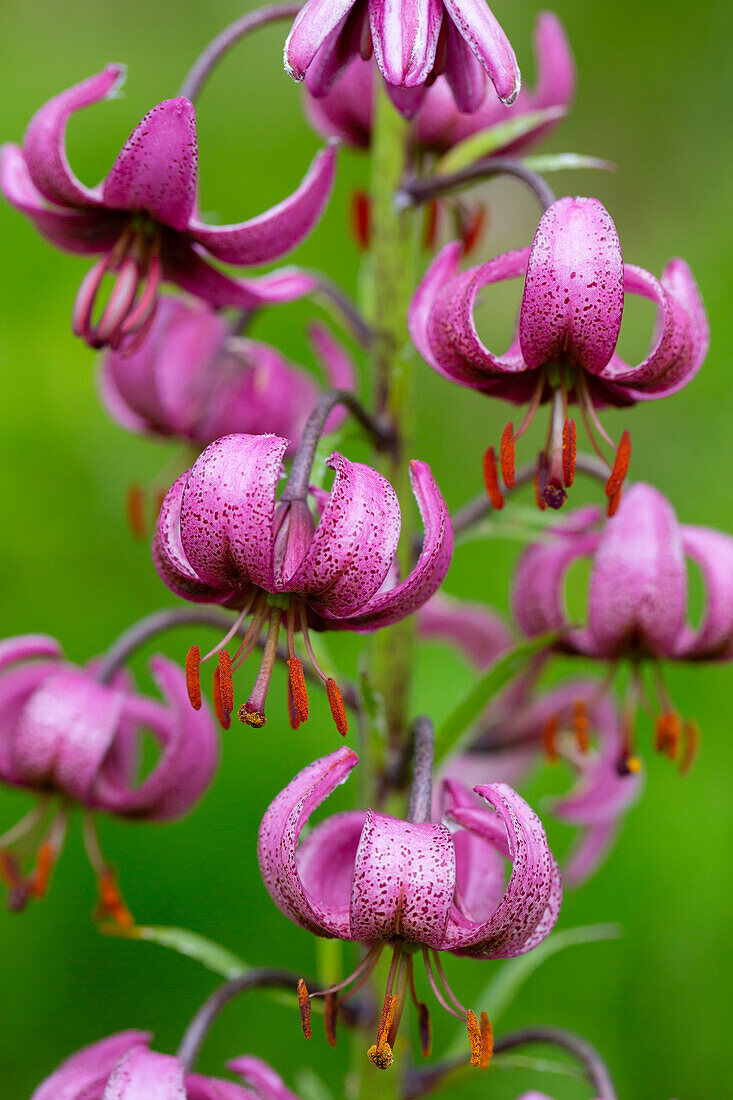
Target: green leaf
{"type": "Point", "coordinates": [486, 142]}
{"type": "Point", "coordinates": [194, 946]}
{"type": "Point", "coordinates": [453, 728]}
{"type": "Point", "coordinates": [560, 162]}
{"type": "Point", "coordinates": [507, 982]}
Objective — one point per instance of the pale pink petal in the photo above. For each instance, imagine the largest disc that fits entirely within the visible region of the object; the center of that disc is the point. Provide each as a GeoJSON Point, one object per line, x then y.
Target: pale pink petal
{"type": "Point", "coordinates": [313, 23]}
{"type": "Point", "coordinates": [326, 857]}
{"type": "Point", "coordinates": [405, 35]}
{"type": "Point", "coordinates": [89, 1067]}
{"type": "Point", "coordinates": [478, 26]}
{"type": "Point", "coordinates": [142, 1074]}
{"type": "Point", "coordinates": [267, 1084]}
{"type": "Point", "coordinates": [478, 631]}
{"type": "Point", "coordinates": [713, 553]}
{"type": "Point", "coordinates": [28, 647]}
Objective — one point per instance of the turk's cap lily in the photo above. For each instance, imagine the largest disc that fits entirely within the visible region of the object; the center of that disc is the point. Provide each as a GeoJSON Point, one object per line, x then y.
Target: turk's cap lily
{"type": "Point", "coordinates": [412, 44]}
{"type": "Point", "coordinates": [143, 218]}
{"type": "Point", "coordinates": [123, 1067]}
{"type": "Point", "coordinates": [194, 378]}
{"type": "Point", "coordinates": [346, 110]}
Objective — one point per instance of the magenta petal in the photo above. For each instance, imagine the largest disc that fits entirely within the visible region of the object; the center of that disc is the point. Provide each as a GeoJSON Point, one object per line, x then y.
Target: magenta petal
{"type": "Point", "coordinates": [268, 1084]}
{"type": "Point", "coordinates": [405, 36]}
{"type": "Point", "coordinates": [156, 169]}
{"type": "Point", "coordinates": [269, 236]}
{"type": "Point", "coordinates": [429, 572]}
{"type": "Point", "coordinates": [189, 270]}
{"type": "Point", "coordinates": [556, 76]}
{"type": "Point", "coordinates": [713, 553]}
{"type": "Point", "coordinates": [278, 842]}
{"type": "Point", "coordinates": [574, 291]}
{"type": "Point", "coordinates": [228, 508]}
{"type": "Point", "coordinates": [531, 903]}
{"type": "Point", "coordinates": [44, 143]}
{"type": "Point", "coordinates": [480, 876]}
{"type": "Point", "coordinates": [404, 879]}
{"type": "Point", "coordinates": [326, 857]}
{"type": "Point", "coordinates": [338, 365]}
{"type": "Point", "coordinates": [354, 543]}
{"type": "Point", "coordinates": [28, 647]}
{"type": "Point", "coordinates": [638, 588]}
{"type": "Point", "coordinates": [215, 1088]}
{"type": "Point", "coordinates": [88, 1067]}
{"type": "Point", "coordinates": [588, 852]}
{"type": "Point", "coordinates": [313, 23]}
{"type": "Point", "coordinates": [464, 73]}
{"type": "Point", "coordinates": [142, 1074]}
{"type": "Point", "coordinates": [480, 633]}
{"type": "Point", "coordinates": [17, 685]}
{"type": "Point", "coordinates": [477, 24]}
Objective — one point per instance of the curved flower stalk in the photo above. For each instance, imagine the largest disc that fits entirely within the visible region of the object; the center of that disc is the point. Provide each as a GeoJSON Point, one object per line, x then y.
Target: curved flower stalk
{"type": "Point", "coordinates": [346, 111]}
{"type": "Point", "coordinates": [412, 43]}
{"type": "Point", "coordinates": [143, 220]}
{"type": "Point", "coordinates": [565, 347]}
{"type": "Point", "coordinates": [123, 1067]}
{"type": "Point", "coordinates": [222, 537]}
{"type": "Point", "coordinates": [76, 741]}
{"type": "Point", "coordinates": [195, 378]}
{"type": "Point", "coordinates": [412, 886]}
{"type": "Point", "coordinates": [637, 598]}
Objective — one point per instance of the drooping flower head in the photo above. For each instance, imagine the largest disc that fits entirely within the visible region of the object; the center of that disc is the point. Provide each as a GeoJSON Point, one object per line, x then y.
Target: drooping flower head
{"type": "Point", "coordinates": [76, 741]}
{"type": "Point", "coordinates": [412, 43]}
{"type": "Point", "coordinates": [223, 537]}
{"type": "Point", "coordinates": [565, 347]}
{"type": "Point", "coordinates": [346, 110]}
{"type": "Point", "coordinates": [143, 220]}
{"type": "Point", "coordinates": [195, 378]}
{"type": "Point", "coordinates": [123, 1067]}
{"type": "Point", "coordinates": [410, 886]}
{"type": "Point", "coordinates": [637, 607]}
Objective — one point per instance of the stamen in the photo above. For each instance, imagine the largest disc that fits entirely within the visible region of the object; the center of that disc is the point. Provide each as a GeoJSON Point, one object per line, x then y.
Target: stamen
{"type": "Point", "coordinates": [534, 404]}
{"type": "Point", "coordinates": [223, 716]}
{"type": "Point", "coordinates": [329, 1019]}
{"type": "Point", "coordinates": [690, 746]}
{"type": "Point", "coordinates": [42, 874]}
{"type": "Point", "coordinates": [26, 824]}
{"type": "Point", "coordinates": [580, 725]}
{"type": "Point", "coordinates": [135, 511]}
{"type": "Point", "coordinates": [338, 710]}
{"type": "Point", "coordinates": [668, 734]}
{"type": "Point", "coordinates": [380, 1054]}
{"type": "Point", "coordinates": [10, 871]}
{"type": "Point", "coordinates": [193, 683]}
{"type": "Point", "coordinates": [487, 1042]}
{"type": "Point", "coordinates": [540, 475]}
{"type": "Point", "coordinates": [569, 452]}
{"type": "Point", "coordinates": [474, 1038]}
{"type": "Point", "coordinates": [472, 228]}
{"type": "Point", "coordinates": [620, 466]}
{"type": "Point", "coordinates": [292, 716]}
{"type": "Point", "coordinates": [249, 714]}
{"type": "Point", "coordinates": [361, 219]}
{"type": "Point", "coordinates": [490, 479]}
{"type": "Point", "coordinates": [424, 1024]}
{"type": "Point", "coordinates": [549, 740]}
{"type": "Point", "coordinates": [253, 711]}
{"type": "Point", "coordinates": [506, 455]}
{"type": "Point", "coordinates": [229, 634]}
{"type": "Point", "coordinates": [147, 302]}
{"type": "Point", "coordinates": [362, 972]}
{"type": "Point", "coordinates": [613, 503]}
{"type": "Point", "coordinates": [298, 693]}
{"type": "Point", "coordinates": [552, 491]}
{"type": "Point", "coordinates": [436, 988]}
{"type": "Point", "coordinates": [430, 227]}
{"type": "Point", "coordinates": [111, 905]}
{"type": "Point", "coordinates": [226, 686]}
{"type": "Point", "coordinates": [119, 302]}
{"type": "Point", "coordinates": [249, 641]}
{"type": "Point", "coordinates": [304, 1005]}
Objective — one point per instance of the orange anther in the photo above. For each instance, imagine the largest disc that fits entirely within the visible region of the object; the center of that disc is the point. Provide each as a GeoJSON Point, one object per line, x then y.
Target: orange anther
{"type": "Point", "coordinates": [135, 511]}
{"type": "Point", "coordinates": [506, 455]}
{"type": "Point", "coordinates": [329, 1019]}
{"type": "Point", "coordinates": [223, 715]}
{"type": "Point", "coordinates": [304, 1004]}
{"type": "Point", "coordinates": [632, 764]}
{"type": "Point", "coordinates": [474, 1038]}
{"type": "Point", "coordinates": [42, 874]}
{"type": "Point", "coordinates": [491, 480]}
{"type": "Point", "coordinates": [569, 452]}
{"type": "Point", "coordinates": [111, 904]}
{"type": "Point", "coordinates": [580, 725]}
{"type": "Point", "coordinates": [193, 683]}
{"type": "Point", "coordinates": [251, 716]}
{"type": "Point", "coordinates": [620, 466]}
{"type": "Point", "coordinates": [538, 489]}
{"type": "Point", "coordinates": [292, 714]}
{"type": "Point", "coordinates": [298, 691]}
{"type": "Point", "coordinates": [361, 218]}
{"type": "Point", "coordinates": [430, 226]}
{"type": "Point", "coordinates": [549, 735]}
{"type": "Point", "coordinates": [380, 1055]}
{"type": "Point", "coordinates": [425, 1029]}
{"type": "Point", "coordinates": [338, 711]}
{"type": "Point", "coordinates": [388, 1011]}
{"type": "Point", "coordinates": [613, 503]}
{"type": "Point", "coordinates": [487, 1042]}
{"type": "Point", "coordinates": [691, 743]}
{"type": "Point", "coordinates": [472, 228]}
{"type": "Point", "coordinates": [226, 685]}
{"type": "Point", "coordinates": [668, 734]}
{"type": "Point", "coordinates": [10, 871]}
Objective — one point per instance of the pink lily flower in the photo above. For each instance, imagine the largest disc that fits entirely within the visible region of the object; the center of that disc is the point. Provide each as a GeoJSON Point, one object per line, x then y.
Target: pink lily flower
{"type": "Point", "coordinates": [412, 886]}
{"type": "Point", "coordinates": [196, 379]}
{"type": "Point", "coordinates": [64, 733]}
{"type": "Point", "coordinates": [346, 110]}
{"type": "Point", "coordinates": [413, 44]}
{"type": "Point", "coordinates": [637, 597]}
{"type": "Point", "coordinates": [222, 537]}
{"type": "Point", "coordinates": [565, 347]}
{"type": "Point", "coordinates": [123, 1067]}
{"type": "Point", "coordinates": [142, 219]}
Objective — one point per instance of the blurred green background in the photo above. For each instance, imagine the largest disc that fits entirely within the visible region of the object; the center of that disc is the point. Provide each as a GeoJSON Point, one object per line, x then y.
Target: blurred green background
{"type": "Point", "coordinates": [652, 98]}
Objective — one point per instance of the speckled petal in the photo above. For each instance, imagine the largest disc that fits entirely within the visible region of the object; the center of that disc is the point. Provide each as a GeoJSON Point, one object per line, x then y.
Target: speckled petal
{"type": "Point", "coordinates": [313, 23]}
{"type": "Point", "coordinates": [638, 587]}
{"type": "Point", "coordinates": [188, 269]}
{"type": "Point", "coordinates": [404, 879]}
{"type": "Point", "coordinates": [269, 236]}
{"type": "Point", "coordinates": [712, 551]}
{"type": "Point", "coordinates": [278, 842]}
{"type": "Point", "coordinates": [142, 1074]}
{"type": "Point", "coordinates": [480, 876]}
{"type": "Point", "coordinates": [474, 628]}
{"type": "Point", "coordinates": [326, 858]}
{"type": "Point", "coordinates": [405, 35]}
{"type": "Point", "coordinates": [89, 1067]}
{"type": "Point", "coordinates": [17, 685]}
{"type": "Point", "coordinates": [228, 508]}
{"type": "Point", "coordinates": [479, 27]}
{"type": "Point", "coordinates": [354, 543]}
{"type": "Point", "coordinates": [574, 292]}
{"type": "Point", "coordinates": [267, 1084]}
{"type": "Point", "coordinates": [392, 604]}
{"type": "Point", "coordinates": [531, 903]}
{"type": "Point", "coordinates": [44, 144]}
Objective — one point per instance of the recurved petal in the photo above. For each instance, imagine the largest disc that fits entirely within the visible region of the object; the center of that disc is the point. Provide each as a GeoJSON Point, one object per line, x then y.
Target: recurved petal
{"type": "Point", "coordinates": [391, 605]}
{"type": "Point", "coordinates": [354, 543]}
{"type": "Point", "coordinates": [169, 557]}
{"type": "Point", "coordinates": [479, 27]}
{"type": "Point", "coordinates": [16, 687]}
{"type": "Point", "coordinates": [327, 855]}
{"type": "Point", "coordinates": [338, 365]}
{"type": "Point", "coordinates": [228, 508]}
{"type": "Point", "coordinates": [404, 880]}
{"type": "Point", "coordinates": [480, 877]}
{"type": "Point", "coordinates": [215, 1088]}
{"type": "Point", "coordinates": [574, 291]}
{"type": "Point", "coordinates": [44, 143]}
{"type": "Point", "coordinates": [142, 1074]}
{"type": "Point", "coordinates": [405, 35]}
{"type": "Point", "coordinates": [156, 169]}
{"type": "Point", "coordinates": [475, 629]}
{"type": "Point", "coordinates": [188, 269]}
{"type": "Point", "coordinates": [89, 1067]}
{"type": "Point", "coordinates": [277, 846]}
{"type": "Point", "coordinates": [555, 65]}
{"type": "Point", "coordinates": [529, 908]}
{"type": "Point", "coordinates": [267, 1084]}
{"type": "Point", "coordinates": [464, 73]}
{"type": "Point", "coordinates": [28, 647]}
{"type": "Point", "coordinates": [313, 23]}
{"type": "Point", "coordinates": [712, 551]}
{"type": "Point", "coordinates": [269, 236]}
{"type": "Point", "coordinates": [638, 587]}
